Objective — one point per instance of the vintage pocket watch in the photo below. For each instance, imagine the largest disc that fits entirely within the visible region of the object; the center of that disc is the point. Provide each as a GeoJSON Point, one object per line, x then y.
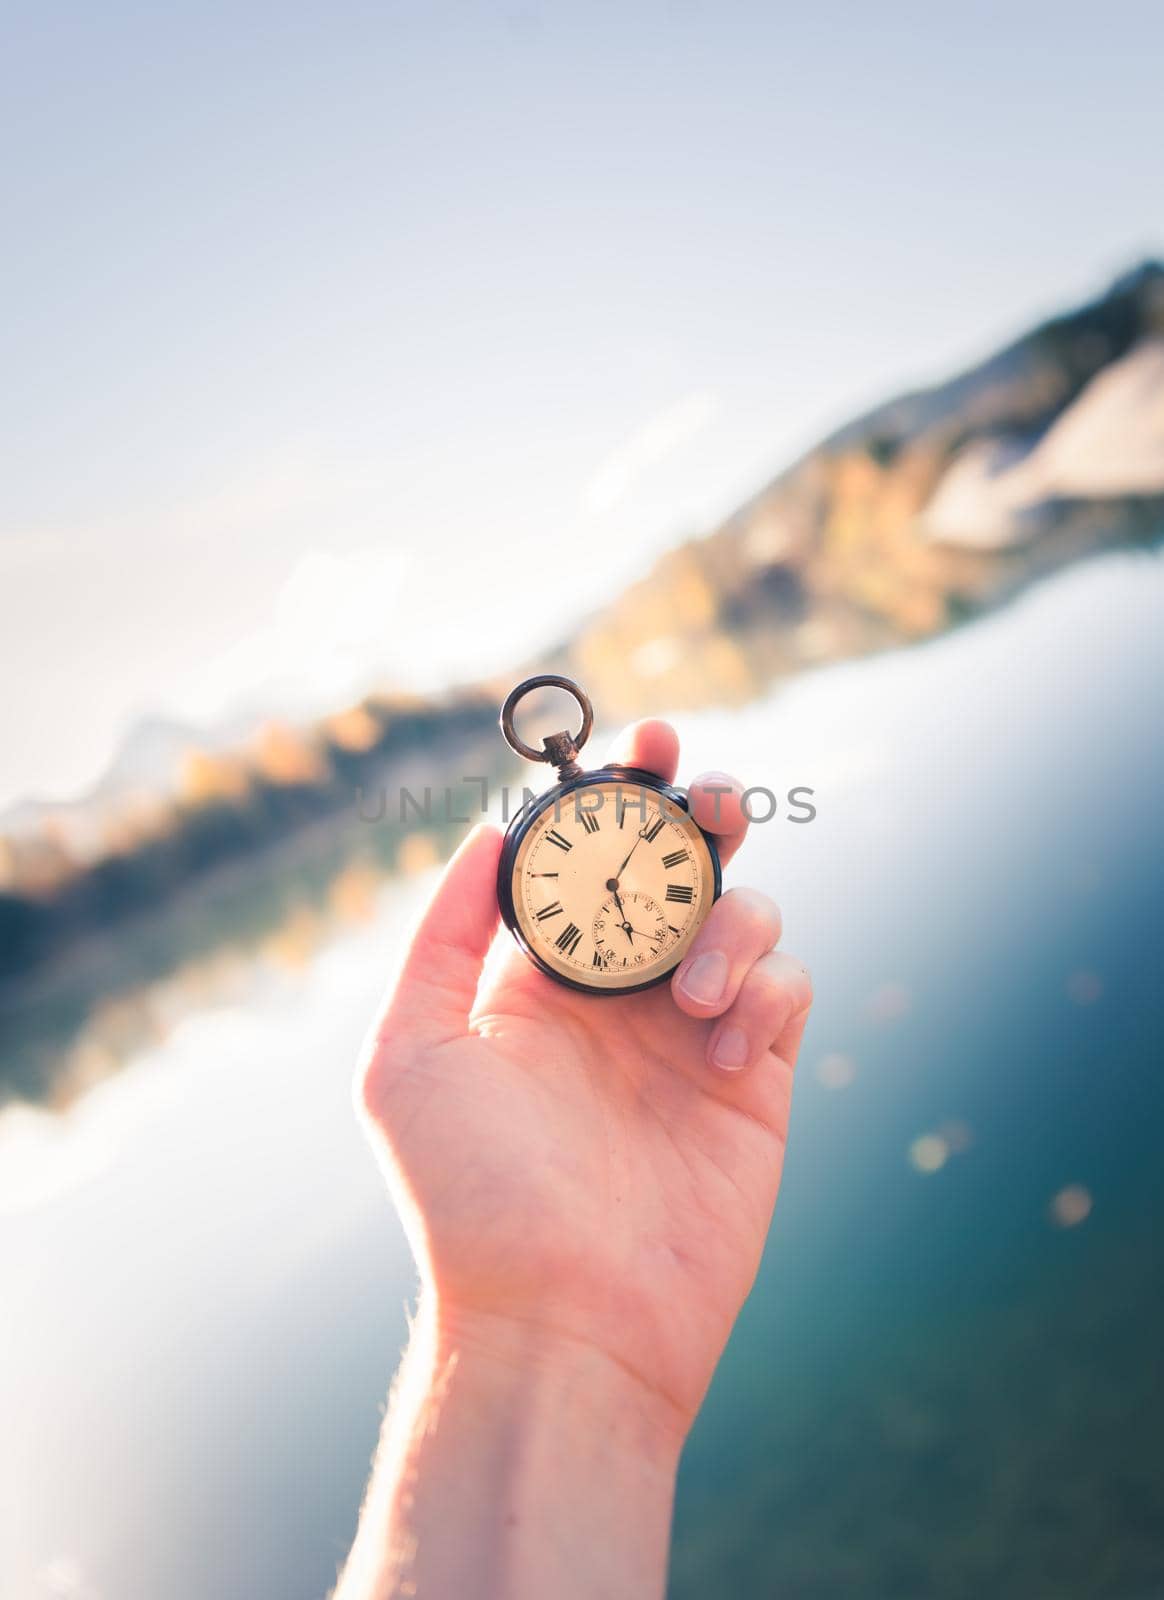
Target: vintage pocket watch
{"type": "Point", "coordinates": [605, 878]}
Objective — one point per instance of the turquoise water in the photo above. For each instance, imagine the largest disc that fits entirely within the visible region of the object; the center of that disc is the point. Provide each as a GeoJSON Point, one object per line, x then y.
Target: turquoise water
{"type": "Point", "coordinates": [935, 1389]}
{"type": "Point", "coordinates": [946, 1381]}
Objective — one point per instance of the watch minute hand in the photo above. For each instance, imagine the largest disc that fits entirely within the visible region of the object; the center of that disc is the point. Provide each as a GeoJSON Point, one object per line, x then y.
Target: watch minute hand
{"type": "Point", "coordinates": [639, 837]}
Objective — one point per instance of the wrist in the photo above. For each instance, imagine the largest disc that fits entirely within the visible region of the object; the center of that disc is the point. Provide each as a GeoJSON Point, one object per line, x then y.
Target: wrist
{"type": "Point", "coordinates": [531, 1372]}
{"type": "Point", "coordinates": [518, 1464]}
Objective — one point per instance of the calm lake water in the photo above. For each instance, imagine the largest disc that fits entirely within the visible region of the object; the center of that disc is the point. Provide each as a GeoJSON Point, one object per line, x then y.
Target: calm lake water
{"type": "Point", "coordinates": [947, 1382]}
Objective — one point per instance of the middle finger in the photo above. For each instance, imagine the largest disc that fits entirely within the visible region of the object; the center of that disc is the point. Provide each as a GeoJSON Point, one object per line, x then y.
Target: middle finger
{"type": "Point", "coordinates": [741, 926]}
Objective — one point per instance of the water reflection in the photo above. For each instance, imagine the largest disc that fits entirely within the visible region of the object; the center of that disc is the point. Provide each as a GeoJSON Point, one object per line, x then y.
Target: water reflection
{"type": "Point", "coordinates": [66, 1030]}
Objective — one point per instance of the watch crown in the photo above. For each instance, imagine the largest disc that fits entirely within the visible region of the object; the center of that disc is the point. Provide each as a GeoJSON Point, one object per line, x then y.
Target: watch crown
{"type": "Point", "coordinates": [562, 752]}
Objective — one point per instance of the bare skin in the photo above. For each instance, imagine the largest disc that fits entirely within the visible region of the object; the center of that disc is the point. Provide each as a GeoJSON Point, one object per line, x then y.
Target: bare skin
{"type": "Point", "coordinates": [587, 1185]}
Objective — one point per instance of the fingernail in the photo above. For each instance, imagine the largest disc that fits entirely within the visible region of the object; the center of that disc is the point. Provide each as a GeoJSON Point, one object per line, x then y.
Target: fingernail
{"type": "Point", "coordinates": [731, 1049]}
{"type": "Point", "coordinates": [706, 978]}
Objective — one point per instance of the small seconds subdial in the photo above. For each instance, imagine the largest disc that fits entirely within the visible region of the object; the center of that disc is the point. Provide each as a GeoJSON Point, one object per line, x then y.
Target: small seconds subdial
{"type": "Point", "coordinates": [630, 930]}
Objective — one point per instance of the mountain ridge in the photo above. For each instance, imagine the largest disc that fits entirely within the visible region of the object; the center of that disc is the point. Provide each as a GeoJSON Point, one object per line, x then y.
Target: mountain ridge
{"type": "Point", "coordinates": [836, 554]}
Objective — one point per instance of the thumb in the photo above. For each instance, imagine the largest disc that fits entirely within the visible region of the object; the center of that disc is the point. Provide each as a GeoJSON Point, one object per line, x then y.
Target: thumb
{"type": "Point", "coordinates": [436, 986]}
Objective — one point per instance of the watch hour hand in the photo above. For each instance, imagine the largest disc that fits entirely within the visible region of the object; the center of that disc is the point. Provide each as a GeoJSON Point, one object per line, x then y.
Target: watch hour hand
{"type": "Point", "coordinates": [625, 923]}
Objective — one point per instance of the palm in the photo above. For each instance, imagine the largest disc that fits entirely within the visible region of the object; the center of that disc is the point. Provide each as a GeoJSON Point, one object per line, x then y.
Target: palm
{"type": "Point", "coordinates": [590, 1171]}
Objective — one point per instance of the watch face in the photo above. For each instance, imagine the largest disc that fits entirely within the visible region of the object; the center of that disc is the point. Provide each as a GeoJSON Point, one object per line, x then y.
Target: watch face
{"type": "Point", "coordinates": [611, 884]}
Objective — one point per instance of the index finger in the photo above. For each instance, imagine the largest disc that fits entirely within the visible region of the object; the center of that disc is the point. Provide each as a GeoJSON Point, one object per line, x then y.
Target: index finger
{"type": "Point", "coordinates": [715, 802]}
{"type": "Point", "coordinates": [714, 797]}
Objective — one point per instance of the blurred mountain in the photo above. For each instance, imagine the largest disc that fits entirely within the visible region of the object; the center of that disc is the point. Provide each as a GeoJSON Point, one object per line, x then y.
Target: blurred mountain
{"type": "Point", "coordinates": [147, 765]}
{"type": "Point", "coordinates": [912, 518]}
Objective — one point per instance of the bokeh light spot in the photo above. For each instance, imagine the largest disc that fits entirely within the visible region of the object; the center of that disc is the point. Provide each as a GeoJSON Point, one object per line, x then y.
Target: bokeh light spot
{"type": "Point", "coordinates": [836, 1071]}
{"type": "Point", "coordinates": [929, 1153]}
{"type": "Point", "coordinates": [958, 1135]}
{"type": "Point", "coordinates": [1084, 988]}
{"type": "Point", "coordinates": [1071, 1206]}
{"type": "Point", "coordinates": [889, 1002]}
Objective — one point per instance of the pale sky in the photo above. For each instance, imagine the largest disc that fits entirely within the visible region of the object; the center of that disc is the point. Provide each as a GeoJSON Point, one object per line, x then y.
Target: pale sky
{"type": "Point", "coordinates": [375, 343]}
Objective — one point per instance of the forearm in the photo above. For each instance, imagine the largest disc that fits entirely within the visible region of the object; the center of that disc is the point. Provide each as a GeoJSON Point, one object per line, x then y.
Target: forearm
{"type": "Point", "coordinates": [511, 1468]}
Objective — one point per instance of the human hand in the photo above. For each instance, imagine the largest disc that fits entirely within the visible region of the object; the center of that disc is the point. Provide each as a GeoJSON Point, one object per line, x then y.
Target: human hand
{"type": "Point", "coordinates": [590, 1179]}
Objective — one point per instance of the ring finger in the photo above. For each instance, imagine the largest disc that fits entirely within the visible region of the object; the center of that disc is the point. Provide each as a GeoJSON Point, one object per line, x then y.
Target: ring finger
{"type": "Point", "coordinates": [775, 993]}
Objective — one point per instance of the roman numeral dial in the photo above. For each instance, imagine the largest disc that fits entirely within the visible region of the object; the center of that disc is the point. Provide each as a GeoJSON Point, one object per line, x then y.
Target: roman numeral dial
{"type": "Point", "coordinates": [610, 884]}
